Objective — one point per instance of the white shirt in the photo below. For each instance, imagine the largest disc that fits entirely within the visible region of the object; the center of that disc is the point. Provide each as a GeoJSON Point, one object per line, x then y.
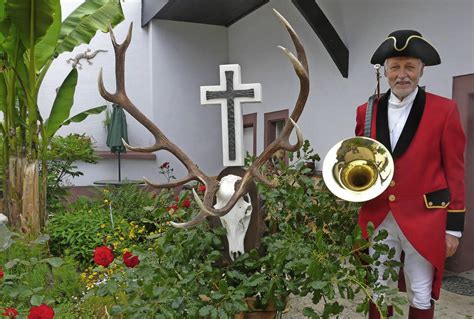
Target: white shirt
{"type": "Point", "coordinates": [398, 112]}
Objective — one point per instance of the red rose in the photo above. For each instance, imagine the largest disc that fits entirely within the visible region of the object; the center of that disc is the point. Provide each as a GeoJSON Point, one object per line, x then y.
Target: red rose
{"type": "Point", "coordinates": [165, 165]}
{"type": "Point", "coordinates": [103, 256]}
{"type": "Point", "coordinates": [10, 313]}
{"type": "Point", "coordinates": [1, 274]}
{"type": "Point", "coordinates": [41, 312]}
{"type": "Point", "coordinates": [186, 203]}
{"type": "Point", "coordinates": [202, 188]}
{"type": "Point", "coordinates": [130, 260]}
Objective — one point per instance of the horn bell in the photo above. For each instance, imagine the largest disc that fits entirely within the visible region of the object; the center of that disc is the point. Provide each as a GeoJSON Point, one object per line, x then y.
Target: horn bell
{"type": "Point", "coordinates": [358, 169]}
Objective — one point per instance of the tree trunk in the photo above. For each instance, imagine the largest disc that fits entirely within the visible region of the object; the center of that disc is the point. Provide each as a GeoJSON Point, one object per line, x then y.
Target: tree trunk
{"type": "Point", "coordinates": [15, 190]}
{"type": "Point", "coordinates": [24, 195]}
{"type": "Point", "coordinates": [30, 215]}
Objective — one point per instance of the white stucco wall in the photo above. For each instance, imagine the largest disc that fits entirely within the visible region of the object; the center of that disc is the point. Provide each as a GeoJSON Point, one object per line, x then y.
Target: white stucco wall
{"type": "Point", "coordinates": [329, 114]}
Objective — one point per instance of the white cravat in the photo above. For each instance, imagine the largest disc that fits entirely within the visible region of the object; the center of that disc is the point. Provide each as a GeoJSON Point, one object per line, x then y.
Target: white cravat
{"type": "Point", "coordinates": [398, 112]}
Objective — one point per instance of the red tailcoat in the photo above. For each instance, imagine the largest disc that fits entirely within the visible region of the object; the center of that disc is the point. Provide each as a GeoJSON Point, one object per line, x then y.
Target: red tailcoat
{"type": "Point", "coordinates": [426, 195]}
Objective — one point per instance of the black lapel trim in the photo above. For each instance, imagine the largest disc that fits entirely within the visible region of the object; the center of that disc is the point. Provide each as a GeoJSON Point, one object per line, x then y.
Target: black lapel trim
{"type": "Point", "coordinates": [383, 135]}
{"type": "Point", "coordinates": [411, 125]}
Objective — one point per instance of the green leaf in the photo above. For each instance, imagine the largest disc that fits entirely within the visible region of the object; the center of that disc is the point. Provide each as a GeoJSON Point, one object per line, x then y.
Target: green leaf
{"type": "Point", "coordinates": [205, 311]}
{"type": "Point", "coordinates": [42, 239]}
{"type": "Point", "coordinates": [309, 312]}
{"type": "Point", "coordinates": [112, 287]}
{"type": "Point", "coordinates": [82, 116]}
{"type": "Point", "coordinates": [45, 47]}
{"type": "Point", "coordinates": [2, 9]}
{"type": "Point", "coordinates": [36, 300]}
{"type": "Point", "coordinates": [82, 24]}
{"type": "Point", "coordinates": [32, 18]}
{"type": "Point", "coordinates": [62, 104]}
{"type": "Point", "coordinates": [116, 309]}
{"type": "Point", "coordinates": [54, 261]}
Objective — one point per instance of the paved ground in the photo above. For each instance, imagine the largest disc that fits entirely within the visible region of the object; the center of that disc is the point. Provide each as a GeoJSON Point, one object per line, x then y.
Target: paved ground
{"type": "Point", "coordinates": [450, 305]}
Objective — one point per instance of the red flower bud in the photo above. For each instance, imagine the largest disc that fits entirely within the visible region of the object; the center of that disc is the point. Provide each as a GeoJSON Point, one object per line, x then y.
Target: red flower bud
{"type": "Point", "coordinates": [103, 256]}
{"type": "Point", "coordinates": [130, 260]}
{"type": "Point", "coordinates": [11, 313]}
{"type": "Point", "coordinates": [41, 312]}
{"type": "Point", "coordinates": [202, 188]}
{"type": "Point", "coordinates": [1, 274]}
{"type": "Point", "coordinates": [165, 165]}
{"type": "Point", "coordinates": [186, 203]}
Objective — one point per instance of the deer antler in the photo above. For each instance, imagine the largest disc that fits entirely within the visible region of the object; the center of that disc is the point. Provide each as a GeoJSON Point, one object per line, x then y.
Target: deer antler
{"type": "Point", "coordinates": [120, 97]}
{"type": "Point", "coordinates": [300, 65]}
{"type": "Point", "coordinates": [161, 141]}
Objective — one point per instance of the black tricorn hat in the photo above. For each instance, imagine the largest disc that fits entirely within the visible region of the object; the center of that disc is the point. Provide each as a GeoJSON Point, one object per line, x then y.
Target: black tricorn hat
{"type": "Point", "coordinates": [407, 43]}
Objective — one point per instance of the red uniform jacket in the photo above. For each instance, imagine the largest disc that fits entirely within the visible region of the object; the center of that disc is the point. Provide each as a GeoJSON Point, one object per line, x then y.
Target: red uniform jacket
{"type": "Point", "coordinates": [426, 195]}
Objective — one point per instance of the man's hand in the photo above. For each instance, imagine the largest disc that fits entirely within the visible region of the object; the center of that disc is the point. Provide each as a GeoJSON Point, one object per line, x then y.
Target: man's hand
{"type": "Point", "coordinates": [452, 243]}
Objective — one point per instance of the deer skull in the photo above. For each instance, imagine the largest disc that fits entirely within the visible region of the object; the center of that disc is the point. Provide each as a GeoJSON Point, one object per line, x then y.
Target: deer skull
{"type": "Point", "coordinates": [236, 221]}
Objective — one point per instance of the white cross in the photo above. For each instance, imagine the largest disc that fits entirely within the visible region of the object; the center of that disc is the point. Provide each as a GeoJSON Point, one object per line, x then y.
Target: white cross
{"type": "Point", "coordinates": [229, 94]}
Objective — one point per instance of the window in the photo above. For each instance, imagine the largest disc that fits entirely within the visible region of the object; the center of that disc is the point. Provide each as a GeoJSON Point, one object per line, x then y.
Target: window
{"type": "Point", "coordinates": [274, 123]}
{"type": "Point", "coordinates": [250, 134]}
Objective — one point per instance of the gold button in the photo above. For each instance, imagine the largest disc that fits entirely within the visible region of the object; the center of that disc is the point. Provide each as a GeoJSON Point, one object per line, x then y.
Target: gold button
{"type": "Point", "coordinates": [391, 198]}
{"type": "Point", "coordinates": [430, 204]}
{"type": "Point", "coordinates": [392, 183]}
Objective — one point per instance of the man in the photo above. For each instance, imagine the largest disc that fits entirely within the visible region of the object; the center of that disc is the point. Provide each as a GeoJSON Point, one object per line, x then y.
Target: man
{"type": "Point", "coordinates": [423, 208]}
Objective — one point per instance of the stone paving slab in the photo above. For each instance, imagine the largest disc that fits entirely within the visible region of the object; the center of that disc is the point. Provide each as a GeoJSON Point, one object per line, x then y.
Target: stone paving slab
{"type": "Point", "coordinates": [449, 306]}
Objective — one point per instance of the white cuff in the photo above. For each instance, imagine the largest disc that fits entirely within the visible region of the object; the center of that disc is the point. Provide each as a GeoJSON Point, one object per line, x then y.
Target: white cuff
{"type": "Point", "coordinates": [457, 234]}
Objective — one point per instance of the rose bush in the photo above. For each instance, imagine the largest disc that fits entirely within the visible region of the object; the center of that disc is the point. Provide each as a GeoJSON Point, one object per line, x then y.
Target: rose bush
{"type": "Point", "coordinates": [312, 247]}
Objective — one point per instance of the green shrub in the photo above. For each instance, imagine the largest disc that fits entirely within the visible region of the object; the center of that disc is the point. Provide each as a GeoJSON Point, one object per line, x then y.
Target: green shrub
{"type": "Point", "coordinates": [62, 154]}
{"type": "Point", "coordinates": [33, 276]}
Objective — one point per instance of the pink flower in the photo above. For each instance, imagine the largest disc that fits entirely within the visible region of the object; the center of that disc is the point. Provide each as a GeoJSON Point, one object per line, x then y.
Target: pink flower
{"type": "Point", "coordinates": [130, 260]}
{"type": "Point", "coordinates": [103, 256]}
{"type": "Point", "coordinates": [41, 312]}
{"type": "Point", "coordinates": [1, 274]}
{"type": "Point", "coordinates": [11, 313]}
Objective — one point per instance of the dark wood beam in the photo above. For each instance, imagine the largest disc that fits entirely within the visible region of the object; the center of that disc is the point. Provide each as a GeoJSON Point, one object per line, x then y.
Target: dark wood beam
{"type": "Point", "coordinates": [150, 9]}
{"type": "Point", "coordinates": [215, 12]}
{"type": "Point", "coordinates": [326, 33]}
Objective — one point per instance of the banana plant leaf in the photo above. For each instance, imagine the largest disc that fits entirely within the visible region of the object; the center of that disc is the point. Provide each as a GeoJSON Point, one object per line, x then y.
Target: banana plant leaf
{"type": "Point", "coordinates": [2, 9]}
{"type": "Point", "coordinates": [62, 104]}
{"type": "Point", "coordinates": [32, 18]}
{"type": "Point", "coordinates": [83, 115]}
{"type": "Point", "coordinates": [82, 24]}
{"type": "Point", "coordinates": [47, 45]}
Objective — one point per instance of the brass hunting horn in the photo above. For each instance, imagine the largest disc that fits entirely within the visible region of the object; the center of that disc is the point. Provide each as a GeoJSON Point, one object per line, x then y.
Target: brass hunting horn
{"type": "Point", "coordinates": [359, 169]}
